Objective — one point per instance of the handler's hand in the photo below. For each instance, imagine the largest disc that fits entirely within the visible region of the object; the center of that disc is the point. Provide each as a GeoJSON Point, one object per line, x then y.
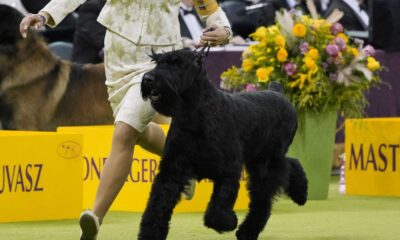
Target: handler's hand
{"type": "Point", "coordinates": [214, 36]}
{"type": "Point", "coordinates": [32, 20]}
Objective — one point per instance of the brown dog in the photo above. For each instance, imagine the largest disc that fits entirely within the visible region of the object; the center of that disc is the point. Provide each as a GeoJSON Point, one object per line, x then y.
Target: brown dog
{"type": "Point", "coordinates": [38, 91]}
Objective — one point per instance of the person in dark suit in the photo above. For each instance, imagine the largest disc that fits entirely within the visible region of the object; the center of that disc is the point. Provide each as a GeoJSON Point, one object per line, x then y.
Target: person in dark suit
{"type": "Point", "coordinates": [302, 6]}
{"type": "Point", "coordinates": [385, 24]}
{"type": "Point", "coordinates": [89, 35]}
{"type": "Point", "coordinates": [190, 24]}
{"type": "Point", "coordinates": [34, 6]}
{"type": "Point", "coordinates": [186, 12]}
{"type": "Point", "coordinates": [355, 15]}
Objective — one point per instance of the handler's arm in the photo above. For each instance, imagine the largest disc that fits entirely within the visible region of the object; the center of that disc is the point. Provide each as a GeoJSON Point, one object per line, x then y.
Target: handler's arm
{"type": "Point", "coordinates": [215, 18]}
{"type": "Point", "coordinates": [52, 14]}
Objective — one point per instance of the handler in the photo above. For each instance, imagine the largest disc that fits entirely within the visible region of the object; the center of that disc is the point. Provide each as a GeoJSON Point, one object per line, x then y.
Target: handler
{"type": "Point", "coordinates": [134, 28]}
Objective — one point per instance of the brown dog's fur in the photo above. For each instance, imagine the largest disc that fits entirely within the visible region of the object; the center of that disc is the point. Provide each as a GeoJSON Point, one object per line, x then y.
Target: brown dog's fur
{"type": "Point", "coordinates": [38, 91]}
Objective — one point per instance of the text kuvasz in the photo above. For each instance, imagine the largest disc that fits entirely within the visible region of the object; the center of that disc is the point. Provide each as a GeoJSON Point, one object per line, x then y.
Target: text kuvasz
{"type": "Point", "coordinates": [214, 134]}
{"type": "Point", "coordinates": [40, 92]}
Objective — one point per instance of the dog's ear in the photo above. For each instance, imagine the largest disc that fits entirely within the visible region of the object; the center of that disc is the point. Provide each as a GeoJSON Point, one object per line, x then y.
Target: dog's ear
{"type": "Point", "coordinates": [154, 56]}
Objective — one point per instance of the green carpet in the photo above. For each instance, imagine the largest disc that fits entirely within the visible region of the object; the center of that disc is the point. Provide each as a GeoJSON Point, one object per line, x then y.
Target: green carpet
{"type": "Point", "coordinates": [338, 218]}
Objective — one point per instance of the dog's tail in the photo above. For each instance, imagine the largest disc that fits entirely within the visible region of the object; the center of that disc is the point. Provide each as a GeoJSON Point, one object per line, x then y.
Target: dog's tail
{"type": "Point", "coordinates": [297, 188]}
{"type": "Point", "coordinates": [275, 87]}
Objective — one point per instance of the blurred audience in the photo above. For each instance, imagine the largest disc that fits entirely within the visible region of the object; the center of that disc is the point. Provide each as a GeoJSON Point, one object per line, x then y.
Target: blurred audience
{"type": "Point", "coordinates": [89, 35]}
{"type": "Point", "coordinates": [321, 5]}
{"type": "Point", "coordinates": [33, 6]}
{"type": "Point", "coordinates": [246, 16]}
{"type": "Point", "coordinates": [300, 6]}
{"type": "Point", "coordinates": [385, 24]}
{"type": "Point", "coordinates": [355, 16]}
{"type": "Point", "coordinates": [17, 4]}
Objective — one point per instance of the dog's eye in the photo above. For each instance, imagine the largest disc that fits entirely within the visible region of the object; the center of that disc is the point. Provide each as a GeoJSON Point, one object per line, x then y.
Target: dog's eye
{"type": "Point", "coordinates": [155, 94]}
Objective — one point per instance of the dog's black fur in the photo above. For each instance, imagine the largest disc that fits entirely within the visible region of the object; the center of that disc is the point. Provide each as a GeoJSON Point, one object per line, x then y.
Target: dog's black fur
{"type": "Point", "coordinates": [212, 135]}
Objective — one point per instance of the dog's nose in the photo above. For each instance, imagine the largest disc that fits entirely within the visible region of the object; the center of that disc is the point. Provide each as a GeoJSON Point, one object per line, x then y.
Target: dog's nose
{"type": "Point", "coordinates": [148, 78]}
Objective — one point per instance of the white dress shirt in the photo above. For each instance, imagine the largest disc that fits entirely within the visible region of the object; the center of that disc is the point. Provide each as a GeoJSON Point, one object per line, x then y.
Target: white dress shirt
{"type": "Point", "coordinates": [195, 29]}
{"type": "Point", "coordinates": [324, 4]}
{"type": "Point", "coordinates": [355, 5]}
{"type": "Point", "coordinates": [291, 3]}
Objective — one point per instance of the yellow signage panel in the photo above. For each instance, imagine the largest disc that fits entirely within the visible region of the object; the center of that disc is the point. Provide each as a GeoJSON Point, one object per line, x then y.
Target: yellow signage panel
{"type": "Point", "coordinates": [133, 196]}
{"type": "Point", "coordinates": [373, 157]}
{"type": "Point", "coordinates": [40, 176]}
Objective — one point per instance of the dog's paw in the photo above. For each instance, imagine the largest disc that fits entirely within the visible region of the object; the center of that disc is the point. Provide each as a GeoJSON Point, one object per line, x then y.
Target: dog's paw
{"type": "Point", "coordinates": [243, 235]}
{"type": "Point", "coordinates": [220, 220]}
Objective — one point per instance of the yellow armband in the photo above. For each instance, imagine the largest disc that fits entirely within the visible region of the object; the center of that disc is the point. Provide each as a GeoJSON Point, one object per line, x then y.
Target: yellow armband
{"type": "Point", "coordinates": [205, 7]}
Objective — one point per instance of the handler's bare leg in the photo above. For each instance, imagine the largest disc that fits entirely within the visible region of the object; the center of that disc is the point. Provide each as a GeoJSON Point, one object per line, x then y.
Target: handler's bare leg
{"type": "Point", "coordinates": [118, 165]}
{"type": "Point", "coordinates": [116, 170]}
{"type": "Point", "coordinates": [152, 139]}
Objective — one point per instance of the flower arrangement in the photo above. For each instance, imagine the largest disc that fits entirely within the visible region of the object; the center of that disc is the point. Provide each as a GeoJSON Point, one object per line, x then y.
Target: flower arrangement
{"type": "Point", "coordinates": [318, 65]}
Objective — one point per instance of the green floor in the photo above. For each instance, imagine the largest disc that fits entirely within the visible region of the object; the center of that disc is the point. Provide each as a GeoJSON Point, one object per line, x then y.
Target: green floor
{"type": "Point", "coordinates": [340, 217]}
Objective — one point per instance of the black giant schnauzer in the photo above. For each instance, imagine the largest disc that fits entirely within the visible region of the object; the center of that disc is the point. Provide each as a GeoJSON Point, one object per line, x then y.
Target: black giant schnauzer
{"type": "Point", "coordinates": [212, 135]}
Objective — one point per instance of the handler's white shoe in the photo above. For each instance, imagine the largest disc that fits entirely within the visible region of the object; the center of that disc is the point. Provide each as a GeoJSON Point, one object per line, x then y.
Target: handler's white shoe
{"type": "Point", "coordinates": [90, 225]}
{"type": "Point", "coordinates": [188, 190]}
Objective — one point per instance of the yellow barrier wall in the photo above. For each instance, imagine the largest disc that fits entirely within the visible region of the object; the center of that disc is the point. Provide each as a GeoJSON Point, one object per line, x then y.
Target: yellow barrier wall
{"type": "Point", "coordinates": [373, 157]}
{"type": "Point", "coordinates": [40, 176]}
{"type": "Point", "coordinates": [134, 195]}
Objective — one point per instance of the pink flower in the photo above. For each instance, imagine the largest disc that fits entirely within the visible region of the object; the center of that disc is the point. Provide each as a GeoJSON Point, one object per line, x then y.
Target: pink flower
{"type": "Point", "coordinates": [250, 87]}
{"type": "Point", "coordinates": [337, 28]}
{"type": "Point", "coordinates": [369, 50]}
{"type": "Point", "coordinates": [290, 68]}
{"type": "Point", "coordinates": [332, 50]}
{"type": "Point", "coordinates": [304, 47]}
{"type": "Point", "coordinates": [341, 43]}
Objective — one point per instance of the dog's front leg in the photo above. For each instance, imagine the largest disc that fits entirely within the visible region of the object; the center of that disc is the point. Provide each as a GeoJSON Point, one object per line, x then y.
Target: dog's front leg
{"type": "Point", "coordinates": [165, 194]}
{"type": "Point", "coordinates": [220, 215]}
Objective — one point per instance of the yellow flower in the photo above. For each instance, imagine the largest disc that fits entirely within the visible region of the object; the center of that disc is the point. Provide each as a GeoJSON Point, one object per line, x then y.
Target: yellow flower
{"type": "Point", "coordinates": [300, 81]}
{"type": "Point", "coordinates": [247, 52]}
{"type": "Point", "coordinates": [280, 41]}
{"type": "Point", "coordinates": [299, 30]}
{"type": "Point", "coordinates": [263, 74]}
{"type": "Point", "coordinates": [306, 19]}
{"type": "Point", "coordinates": [310, 64]}
{"type": "Point", "coordinates": [273, 30]}
{"type": "Point", "coordinates": [262, 43]}
{"type": "Point", "coordinates": [317, 24]}
{"type": "Point", "coordinates": [255, 50]}
{"type": "Point", "coordinates": [372, 64]}
{"type": "Point", "coordinates": [344, 37]}
{"type": "Point", "coordinates": [282, 55]}
{"type": "Point", "coordinates": [260, 33]}
{"type": "Point", "coordinates": [247, 65]}
{"type": "Point", "coordinates": [261, 60]}
{"type": "Point", "coordinates": [313, 53]}
{"type": "Point", "coordinates": [354, 51]}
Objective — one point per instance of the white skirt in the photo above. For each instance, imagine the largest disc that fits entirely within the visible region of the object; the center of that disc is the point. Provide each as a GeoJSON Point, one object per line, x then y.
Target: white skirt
{"type": "Point", "coordinates": [126, 63]}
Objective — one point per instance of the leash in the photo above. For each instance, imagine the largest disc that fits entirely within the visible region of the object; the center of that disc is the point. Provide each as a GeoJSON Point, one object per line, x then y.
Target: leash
{"type": "Point", "coordinates": [206, 48]}
{"type": "Point", "coordinates": [204, 51]}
